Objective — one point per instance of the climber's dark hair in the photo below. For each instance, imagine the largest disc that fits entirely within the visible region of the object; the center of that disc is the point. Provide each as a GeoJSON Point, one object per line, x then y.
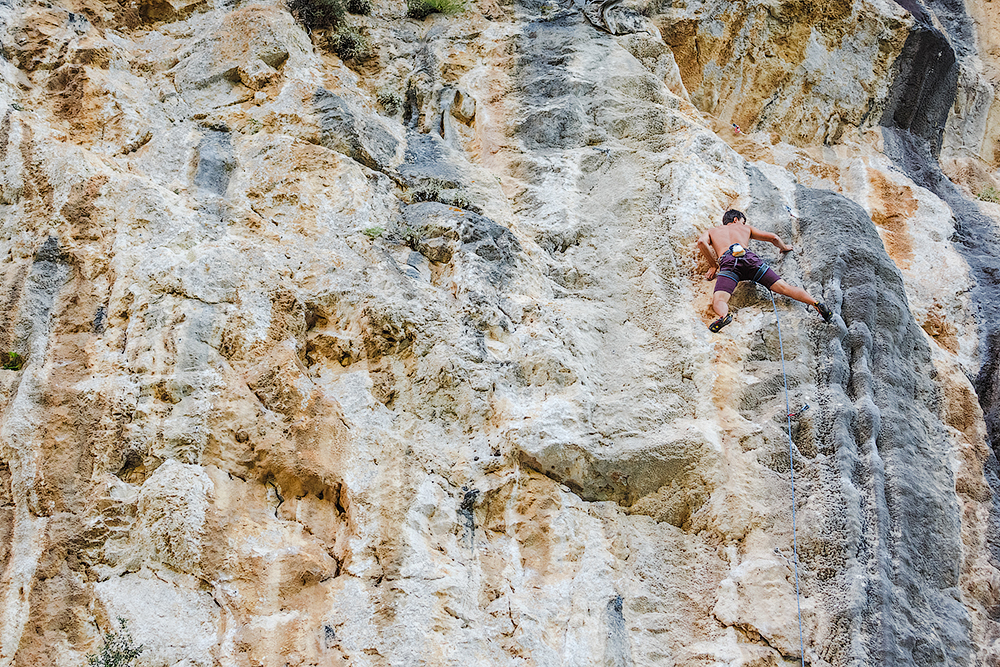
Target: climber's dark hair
{"type": "Point", "coordinates": [733, 214]}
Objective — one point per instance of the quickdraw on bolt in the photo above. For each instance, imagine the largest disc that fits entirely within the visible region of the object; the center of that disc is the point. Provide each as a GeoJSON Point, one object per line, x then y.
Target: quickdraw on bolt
{"type": "Point", "coordinates": [792, 415]}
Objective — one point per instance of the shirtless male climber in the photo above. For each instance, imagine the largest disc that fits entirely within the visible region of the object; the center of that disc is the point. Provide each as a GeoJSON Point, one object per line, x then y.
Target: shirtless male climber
{"type": "Point", "coordinates": [725, 248]}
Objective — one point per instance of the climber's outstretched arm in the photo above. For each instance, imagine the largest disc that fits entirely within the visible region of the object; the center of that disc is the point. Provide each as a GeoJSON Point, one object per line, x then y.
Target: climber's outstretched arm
{"type": "Point", "coordinates": [773, 239]}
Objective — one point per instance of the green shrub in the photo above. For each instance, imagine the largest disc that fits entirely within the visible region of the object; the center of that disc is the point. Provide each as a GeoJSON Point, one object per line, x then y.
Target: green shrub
{"type": "Point", "coordinates": [374, 232]}
{"type": "Point", "coordinates": [411, 236]}
{"type": "Point", "coordinates": [315, 14]}
{"type": "Point", "coordinates": [359, 6]}
{"type": "Point", "coordinates": [419, 9]}
{"type": "Point", "coordinates": [11, 361]}
{"type": "Point", "coordinates": [448, 6]}
{"type": "Point", "coordinates": [119, 650]}
{"type": "Point", "coordinates": [350, 44]}
{"type": "Point", "coordinates": [390, 100]}
{"type": "Point", "coordinates": [990, 194]}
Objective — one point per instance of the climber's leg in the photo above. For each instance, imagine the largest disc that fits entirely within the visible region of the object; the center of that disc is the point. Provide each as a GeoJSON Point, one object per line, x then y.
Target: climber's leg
{"type": "Point", "coordinates": [799, 294]}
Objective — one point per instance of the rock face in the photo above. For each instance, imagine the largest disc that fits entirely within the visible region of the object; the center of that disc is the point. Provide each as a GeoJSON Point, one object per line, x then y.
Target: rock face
{"type": "Point", "coordinates": [403, 359]}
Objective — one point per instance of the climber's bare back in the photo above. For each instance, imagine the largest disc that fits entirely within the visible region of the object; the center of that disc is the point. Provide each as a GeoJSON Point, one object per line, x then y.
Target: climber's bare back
{"type": "Point", "coordinates": [720, 238]}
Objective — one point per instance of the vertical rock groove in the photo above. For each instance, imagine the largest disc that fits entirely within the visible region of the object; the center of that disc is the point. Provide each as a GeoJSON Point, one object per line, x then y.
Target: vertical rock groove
{"type": "Point", "coordinates": [914, 145]}
{"type": "Point", "coordinates": [403, 358]}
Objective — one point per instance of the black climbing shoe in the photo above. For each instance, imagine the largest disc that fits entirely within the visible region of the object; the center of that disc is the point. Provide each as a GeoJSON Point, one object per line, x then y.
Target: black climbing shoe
{"type": "Point", "coordinates": [824, 310]}
{"type": "Point", "coordinates": [716, 326]}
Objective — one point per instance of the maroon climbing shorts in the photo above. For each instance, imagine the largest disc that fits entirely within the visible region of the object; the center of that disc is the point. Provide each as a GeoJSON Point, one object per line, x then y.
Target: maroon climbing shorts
{"type": "Point", "coordinates": [748, 267]}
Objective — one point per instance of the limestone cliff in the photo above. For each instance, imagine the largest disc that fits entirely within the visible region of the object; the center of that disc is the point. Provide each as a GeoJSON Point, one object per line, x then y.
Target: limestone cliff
{"type": "Point", "coordinates": [403, 359]}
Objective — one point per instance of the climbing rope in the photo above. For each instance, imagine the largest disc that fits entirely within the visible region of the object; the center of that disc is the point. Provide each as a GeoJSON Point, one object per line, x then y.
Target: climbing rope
{"type": "Point", "coordinates": [791, 465]}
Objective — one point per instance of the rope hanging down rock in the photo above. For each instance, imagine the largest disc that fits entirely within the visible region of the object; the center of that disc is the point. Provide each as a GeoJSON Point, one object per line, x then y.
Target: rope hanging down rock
{"type": "Point", "coordinates": [791, 465]}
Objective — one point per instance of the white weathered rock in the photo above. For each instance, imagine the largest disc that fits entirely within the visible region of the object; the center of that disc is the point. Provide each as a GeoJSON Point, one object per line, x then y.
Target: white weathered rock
{"type": "Point", "coordinates": [311, 379]}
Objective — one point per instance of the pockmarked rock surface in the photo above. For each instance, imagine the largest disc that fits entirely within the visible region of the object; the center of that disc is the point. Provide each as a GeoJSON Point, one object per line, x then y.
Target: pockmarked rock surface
{"type": "Point", "coordinates": [403, 359]}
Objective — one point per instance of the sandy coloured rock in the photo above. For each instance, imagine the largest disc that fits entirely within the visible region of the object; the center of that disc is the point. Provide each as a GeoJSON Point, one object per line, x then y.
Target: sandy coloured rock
{"type": "Point", "coordinates": [404, 360]}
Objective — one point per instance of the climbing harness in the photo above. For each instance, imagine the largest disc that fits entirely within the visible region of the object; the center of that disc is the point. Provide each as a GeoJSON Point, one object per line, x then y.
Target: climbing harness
{"type": "Point", "coordinates": [791, 464]}
{"type": "Point", "coordinates": [737, 252]}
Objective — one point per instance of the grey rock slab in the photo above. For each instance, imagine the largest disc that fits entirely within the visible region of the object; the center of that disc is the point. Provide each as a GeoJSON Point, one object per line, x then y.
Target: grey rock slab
{"type": "Point", "coordinates": [367, 138]}
{"type": "Point", "coordinates": [216, 162]}
{"type": "Point", "coordinates": [493, 246]}
{"type": "Point", "coordinates": [616, 17]}
{"type": "Point", "coordinates": [50, 273]}
{"type": "Point", "coordinates": [882, 436]}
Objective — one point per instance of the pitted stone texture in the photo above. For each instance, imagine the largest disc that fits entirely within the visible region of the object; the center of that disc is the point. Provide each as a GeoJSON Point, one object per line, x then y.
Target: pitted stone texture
{"type": "Point", "coordinates": [174, 623]}
{"type": "Point", "coordinates": [313, 382]}
{"type": "Point", "coordinates": [172, 507]}
{"type": "Point", "coordinates": [887, 444]}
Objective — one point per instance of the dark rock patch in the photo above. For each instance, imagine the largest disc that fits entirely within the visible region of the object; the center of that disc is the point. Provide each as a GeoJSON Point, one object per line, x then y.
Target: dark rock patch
{"type": "Point", "coordinates": [216, 162]}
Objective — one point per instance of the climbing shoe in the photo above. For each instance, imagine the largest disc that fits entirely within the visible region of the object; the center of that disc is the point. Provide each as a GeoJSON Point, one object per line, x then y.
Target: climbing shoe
{"type": "Point", "coordinates": [717, 325]}
{"type": "Point", "coordinates": [824, 310]}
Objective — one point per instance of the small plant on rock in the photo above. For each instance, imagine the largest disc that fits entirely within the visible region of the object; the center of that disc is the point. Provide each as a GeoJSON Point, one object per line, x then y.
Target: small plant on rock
{"type": "Point", "coordinates": [418, 9]}
{"type": "Point", "coordinates": [363, 7]}
{"type": "Point", "coordinates": [429, 191]}
{"type": "Point", "coordinates": [411, 236]}
{"type": "Point", "coordinates": [317, 14]}
{"type": "Point", "coordinates": [443, 192]}
{"type": "Point", "coordinates": [119, 649]}
{"type": "Point", "coordinates": [374, 232]}
{"type": "Point", "coordinates": [390, 100]}
{"type": "Point", "coordinates": [11, 361]}
{"type": "Point", "coordinates": [460, 199]}
{"type": "Point", "coordinates": [350, 44]}
{"type": "Point", "coordinates": [990, 194]}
